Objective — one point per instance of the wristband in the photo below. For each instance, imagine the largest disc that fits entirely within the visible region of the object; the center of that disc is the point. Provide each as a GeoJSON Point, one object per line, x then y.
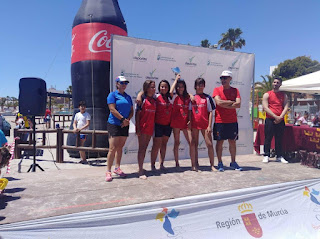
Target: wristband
{"type": "Point", "coordinates": [122, 119]}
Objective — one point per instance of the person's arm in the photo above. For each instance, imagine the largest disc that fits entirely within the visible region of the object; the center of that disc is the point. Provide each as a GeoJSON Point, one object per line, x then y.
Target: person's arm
{"type": "Point", "coordinates": [114, 111]}
{"type": "Point", "coordinates": [85, 126]}
{"type": "Point", "coordinates": [223, 103]}
{"type": "Point", "coordinates": [173, 86]}
{"type": "Point", "coordinates": [139, 97]}
{"type": "Point", "coordinates": [75, 122]}
{"type": "Point", "coordinates": [265, 106]}
{"type": "Point", "coordinates": [286, 107]}
{"type": "Point", "coordinates": [237, 104]}
{"type": "Point", "coordinates": [189, 119]}
{"type": "Point", "coordinates": [126, 121]}
{"type": "Point", "coordinates": [209, 129]}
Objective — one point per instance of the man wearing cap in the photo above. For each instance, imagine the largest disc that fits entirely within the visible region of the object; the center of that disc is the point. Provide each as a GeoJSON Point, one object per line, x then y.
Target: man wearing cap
{"type": "Point", "coordinates": [225, 127]}
{"type": "Point", "coordinates": [121, 111]}
{"type": "Point", "coordinates": [275, 104]}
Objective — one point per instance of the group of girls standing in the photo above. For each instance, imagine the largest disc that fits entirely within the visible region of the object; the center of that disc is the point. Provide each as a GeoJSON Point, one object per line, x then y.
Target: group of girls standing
{"type": "Point", "coordinates": [171, 109]}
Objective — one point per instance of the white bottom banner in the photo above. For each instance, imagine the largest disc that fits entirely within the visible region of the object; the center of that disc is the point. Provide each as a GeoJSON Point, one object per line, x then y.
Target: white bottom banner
{"type": "Point", "coordinates": [288, 210]}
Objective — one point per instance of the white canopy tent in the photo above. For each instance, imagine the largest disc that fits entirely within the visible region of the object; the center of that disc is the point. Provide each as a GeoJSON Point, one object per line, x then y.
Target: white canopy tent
{"type": "Point", "coordinates": [309, 84]}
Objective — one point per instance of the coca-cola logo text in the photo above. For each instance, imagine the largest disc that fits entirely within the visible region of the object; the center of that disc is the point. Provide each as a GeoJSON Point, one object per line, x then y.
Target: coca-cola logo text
{"type": "Point", "coordinates": [100, 41]}
{"type": "Point", "coordinates": [92, 41]}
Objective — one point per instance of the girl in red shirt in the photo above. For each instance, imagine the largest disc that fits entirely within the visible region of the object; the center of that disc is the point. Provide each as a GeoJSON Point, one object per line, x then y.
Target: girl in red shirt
{"type": "Point", "coordinates": [145, 115]}
{"type": "Point", "coordinates": [201, 120]}
{"type": "Point", "coordinates": [162, 124]}
{"type": "Point", "coordinates": [180, 117]}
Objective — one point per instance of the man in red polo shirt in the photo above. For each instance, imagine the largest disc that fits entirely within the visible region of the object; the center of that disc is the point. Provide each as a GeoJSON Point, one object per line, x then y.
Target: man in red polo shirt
{"type": "Point", "coordinates": [225, 127]}
{"type": "Point", "coordinates": [275, 104]}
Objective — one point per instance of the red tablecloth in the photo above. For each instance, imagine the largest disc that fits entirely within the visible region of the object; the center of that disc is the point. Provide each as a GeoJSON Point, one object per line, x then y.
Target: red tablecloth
{"type": "Point", "coordinates": [294, 138]}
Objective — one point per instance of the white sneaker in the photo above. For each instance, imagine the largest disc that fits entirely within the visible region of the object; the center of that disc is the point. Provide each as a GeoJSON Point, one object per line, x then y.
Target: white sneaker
{"type": "Point", "coordinates": [282, 160]}
{"type": "Point", "coordinates": [265, 159]}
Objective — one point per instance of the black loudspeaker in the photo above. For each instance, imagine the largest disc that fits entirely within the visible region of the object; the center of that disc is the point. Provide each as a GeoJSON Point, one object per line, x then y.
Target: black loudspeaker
{"type": "Point", "coordinates": [32, 96]}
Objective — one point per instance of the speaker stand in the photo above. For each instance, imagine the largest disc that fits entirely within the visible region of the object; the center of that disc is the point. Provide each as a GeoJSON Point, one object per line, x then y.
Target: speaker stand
{"type": "Point", "coordinates": [34, 165]}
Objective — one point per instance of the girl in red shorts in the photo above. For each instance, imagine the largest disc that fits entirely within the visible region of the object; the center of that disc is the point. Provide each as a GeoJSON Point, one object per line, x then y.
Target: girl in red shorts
{"type": "Point", "coordinates": [145, 115]}
{"type": "Point", "coordinates": [180, 117]}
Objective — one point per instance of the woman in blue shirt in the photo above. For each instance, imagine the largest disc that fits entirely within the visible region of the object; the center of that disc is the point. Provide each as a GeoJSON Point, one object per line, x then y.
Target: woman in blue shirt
{"type": "Point", "coordinates": [121, 111]}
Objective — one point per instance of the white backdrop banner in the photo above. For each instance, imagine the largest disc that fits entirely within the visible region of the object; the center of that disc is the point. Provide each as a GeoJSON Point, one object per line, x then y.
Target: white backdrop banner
{"type": "Point", "coordinates": [287, 210]}
{"type": "Point", "coordinates": [139, 60]}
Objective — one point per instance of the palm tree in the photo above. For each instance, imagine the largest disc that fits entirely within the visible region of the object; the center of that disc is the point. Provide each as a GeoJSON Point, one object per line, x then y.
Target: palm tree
{"type": "Point", "coordinates": [69, 90]}
{"type": "Point", "coordinates": [232, 40]}
{"type": "Point", "coordinates": [265, 85]}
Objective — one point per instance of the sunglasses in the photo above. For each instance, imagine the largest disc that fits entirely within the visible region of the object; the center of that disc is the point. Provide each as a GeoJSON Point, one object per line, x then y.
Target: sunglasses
{"type": "Point", "coordinates": [124, 82]}
{"type": "Point", "coordinates": [224, 77]}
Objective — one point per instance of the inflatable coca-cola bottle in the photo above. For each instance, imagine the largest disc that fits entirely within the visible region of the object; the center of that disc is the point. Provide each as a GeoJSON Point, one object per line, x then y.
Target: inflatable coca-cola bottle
{"type": "Point", "coordinates": [92, 28]}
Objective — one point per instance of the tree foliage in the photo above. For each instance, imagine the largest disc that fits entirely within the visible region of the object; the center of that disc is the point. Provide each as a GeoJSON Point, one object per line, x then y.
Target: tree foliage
{"type": "Point", "coordinates": [296, 67]}
{"type": "Point", "coordinates": [265, 85]}
{"type": "Point", "coordinates": [205, 43]}
{"type": "Point", "coordinates": [232, 40]}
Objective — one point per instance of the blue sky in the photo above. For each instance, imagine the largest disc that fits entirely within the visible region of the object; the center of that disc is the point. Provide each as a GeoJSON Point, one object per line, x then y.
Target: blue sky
{"type": "Point", "coordinates": [36, 34]}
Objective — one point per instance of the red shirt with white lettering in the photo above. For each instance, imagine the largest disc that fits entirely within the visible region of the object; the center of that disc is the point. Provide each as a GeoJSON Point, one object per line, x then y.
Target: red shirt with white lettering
{"type": "Point", "coordinates": [223, 115]}
{"type": "Point", "coordinates": [147, 115]}
{"type": "Point", "coordinates": [180, 111]}
{"type": "Point", "coordinates": [201, 108]}
{"type": "Point", "coordinates": [164, 110]}
{"type": "Point", "coordinates": [275, 103]}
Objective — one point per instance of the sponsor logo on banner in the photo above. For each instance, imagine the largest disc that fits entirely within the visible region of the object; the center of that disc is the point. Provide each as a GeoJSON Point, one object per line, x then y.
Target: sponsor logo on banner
{"type": "Point", "coordinates": [235, 83]}
{"type": "Point", "coordinates": [152, 76]}
{"type": "Point", "coordinates": [234, 66]}
{"type": "Point", "coordinates": [201, 75]}
{"type": "Point", "coordinates": [130, 74]}
{"type": "Point", "coordinates": [313, 195]}
{"type": "Point", "coordinates": [190, 62]}
{"type": "Point", "coordinates": [164, 217]}
{"type": "Point", "coordinates": [165, 58]}
{"type": "Point", "coordinates": [213, 63]}
{"type": "Point", "coordinates": [129, 151]}
{"type": "Point", "coordinates": [202, 146]}
{"type": "Point", "coordinates": [250, 220]}
{"type": "Point", "coordinates": [139, 56]}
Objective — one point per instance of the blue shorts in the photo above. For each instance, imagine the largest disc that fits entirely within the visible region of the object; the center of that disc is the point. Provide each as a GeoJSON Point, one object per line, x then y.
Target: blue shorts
{"type": "Point", "coordinates": [162, 130]}
{"type": "Point", "coordinates": [83, 136]}
{"type": "Point", "coordinates": [223, 131]}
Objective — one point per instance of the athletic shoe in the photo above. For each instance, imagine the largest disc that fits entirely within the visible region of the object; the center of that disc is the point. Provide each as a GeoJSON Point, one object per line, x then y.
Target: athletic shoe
{"type": "Point", "coordinates": [119, 172]}
{"type": "Point", "coordinates": [281, 159]}
{"type": "Point", "coordinates": [108, 177]}
{"type": "Point", "coordinates": [220, 167]}
{"type": "Point", "coordinates": [265, 159]}
{"type": "Point", "coordinates": [235, 166]}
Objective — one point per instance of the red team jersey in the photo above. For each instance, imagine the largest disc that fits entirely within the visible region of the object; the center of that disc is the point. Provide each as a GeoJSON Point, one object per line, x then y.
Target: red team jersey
{"type": "Point", "coordinates": [224, 115]}
{"type": "Point", "coordinates": [201, 108]}
{"type": "Point", "coordinates": [163, 111]}
{"type": "Point", "coordinates": [147, 115]}
{"type": "Point", "coordinates": [275, 103]}
{"type": "Point", "coordinates": [180, 111]}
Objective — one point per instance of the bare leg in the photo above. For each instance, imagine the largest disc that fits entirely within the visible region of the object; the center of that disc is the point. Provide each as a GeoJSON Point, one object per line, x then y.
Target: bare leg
{"type": "Point", "coordinates": [176, 135]}
{"type": "Point", "coordinates": [121, 142]}
{"type": "Point", "coordinates": [208, 139]}
{"type": "Point", "coordinates": [232, 149]}
{"type": "Point", "coordinates": [111, 153]}
{"type": "Point", "coordinates": [188, 135]}
{"type": "Point", "coordinates": [163, 150]}
{"type": "Point", "coordinates": [83, 153]}
{"type": "Point", "coordinates": [143, 145]}
{"type": "Point", "coordinates": [194, 149]}
{"type": "Point", "coordinates": [154, 152]}
{"type": "Point", "coordinates": [219, 149]}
